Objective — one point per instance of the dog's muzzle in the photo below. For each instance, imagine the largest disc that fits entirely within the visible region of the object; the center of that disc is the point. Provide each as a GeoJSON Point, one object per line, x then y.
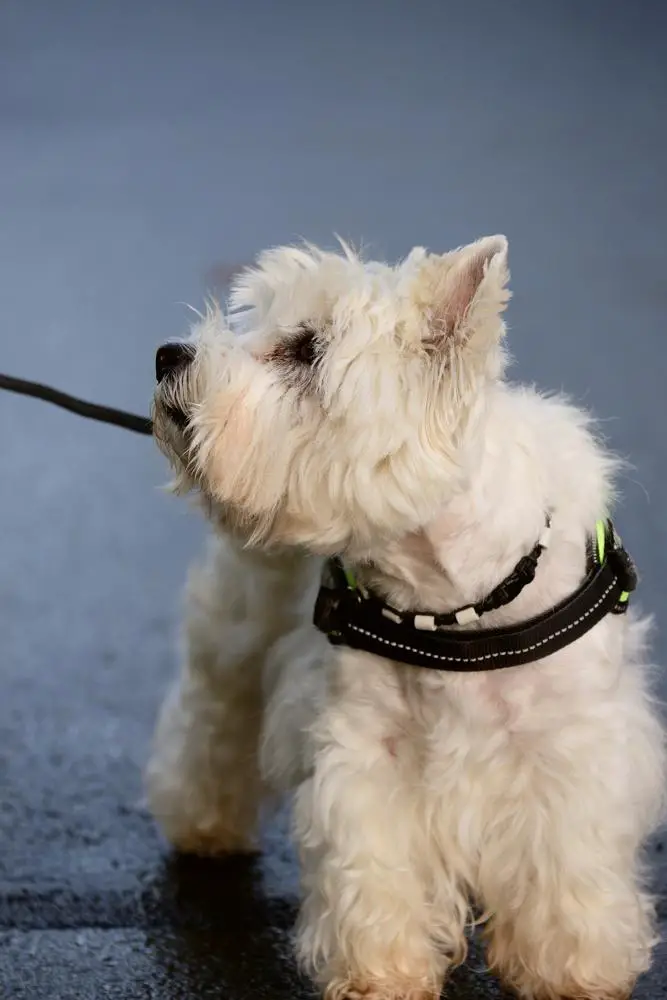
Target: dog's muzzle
{"type": "Point", "coordinates": [171, 361]}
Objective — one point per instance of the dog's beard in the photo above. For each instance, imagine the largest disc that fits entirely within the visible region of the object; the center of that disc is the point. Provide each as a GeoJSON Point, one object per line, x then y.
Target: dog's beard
{"type": "Point", "coordinates": [171, 433]}
{"type": "Point", "coordinates": [178, 417]}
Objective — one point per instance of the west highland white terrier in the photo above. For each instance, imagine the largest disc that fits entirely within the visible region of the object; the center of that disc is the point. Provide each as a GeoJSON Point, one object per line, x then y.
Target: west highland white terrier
{"type": "Point", "coordinates": [468, 726]}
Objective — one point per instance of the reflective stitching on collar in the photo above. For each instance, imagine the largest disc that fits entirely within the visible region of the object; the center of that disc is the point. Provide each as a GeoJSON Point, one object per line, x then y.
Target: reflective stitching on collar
{"type": "Point", "coordinates": [487, 656]}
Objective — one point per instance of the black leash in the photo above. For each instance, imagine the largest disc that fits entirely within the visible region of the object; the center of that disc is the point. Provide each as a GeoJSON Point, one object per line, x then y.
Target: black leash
{"type": "Point", "coordinates": [106, 414]}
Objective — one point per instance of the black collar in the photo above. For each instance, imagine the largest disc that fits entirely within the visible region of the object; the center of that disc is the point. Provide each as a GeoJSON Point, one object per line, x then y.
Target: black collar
{"type": "Point", "coordinates": [352, 616]}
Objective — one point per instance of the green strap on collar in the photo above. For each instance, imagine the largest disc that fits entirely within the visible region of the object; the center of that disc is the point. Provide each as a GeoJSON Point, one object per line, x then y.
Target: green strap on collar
{"type": "Point", "coordinates": [601, 531]}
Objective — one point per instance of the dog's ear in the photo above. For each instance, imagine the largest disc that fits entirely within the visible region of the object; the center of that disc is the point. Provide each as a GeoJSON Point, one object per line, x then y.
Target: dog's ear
{"type": "Point", "coordinates": [464, 293]}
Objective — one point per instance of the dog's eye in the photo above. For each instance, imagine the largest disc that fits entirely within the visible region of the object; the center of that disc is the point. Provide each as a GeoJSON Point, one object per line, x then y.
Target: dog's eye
{"type": "Point", "coordinates": [304, 347]}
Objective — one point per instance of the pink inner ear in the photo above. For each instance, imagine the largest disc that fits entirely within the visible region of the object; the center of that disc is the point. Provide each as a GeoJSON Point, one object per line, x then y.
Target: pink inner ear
{"type": "Point", "coordinates": [461, 290]}
{"type": "Point", "coordinates": [462, 283]}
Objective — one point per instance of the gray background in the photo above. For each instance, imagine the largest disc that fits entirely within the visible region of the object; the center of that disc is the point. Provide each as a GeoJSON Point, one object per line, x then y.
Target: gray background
{"type": "Point", "coordinates": [146, 148]}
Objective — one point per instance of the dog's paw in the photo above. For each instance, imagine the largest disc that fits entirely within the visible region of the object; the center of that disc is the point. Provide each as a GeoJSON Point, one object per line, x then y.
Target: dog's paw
{"type": "Point", "coordinates": [548, 993]}
{"type": "Point", "coordinates": [623, 995]}
{"type": "Point", "coordinates": [358, 989]}
{"type": "Point", "coordinates": [207, 836]}
{"type": "Point", "coordinates": [210, 843]}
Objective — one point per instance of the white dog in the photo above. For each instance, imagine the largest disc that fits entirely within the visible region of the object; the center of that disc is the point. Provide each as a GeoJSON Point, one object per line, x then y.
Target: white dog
{"type": "Point", "coordinates": [357, 410]}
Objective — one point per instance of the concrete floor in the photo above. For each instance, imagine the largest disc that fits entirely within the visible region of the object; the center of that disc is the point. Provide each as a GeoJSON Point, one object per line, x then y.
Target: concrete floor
{"type": "Point", "coordinates": [148, 147]}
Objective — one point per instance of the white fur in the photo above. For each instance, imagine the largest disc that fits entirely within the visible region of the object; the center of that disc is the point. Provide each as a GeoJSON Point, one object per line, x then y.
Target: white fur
{"type": "Point", "coordinates": [528, 791]}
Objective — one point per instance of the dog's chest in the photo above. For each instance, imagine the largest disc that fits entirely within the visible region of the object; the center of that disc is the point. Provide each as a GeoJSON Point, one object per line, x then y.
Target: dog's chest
{"type": "Point", "coordinates": [511, 700]}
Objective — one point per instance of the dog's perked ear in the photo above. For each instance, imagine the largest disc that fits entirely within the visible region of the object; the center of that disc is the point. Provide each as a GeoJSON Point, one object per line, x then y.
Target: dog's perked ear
{"type": "Point", "coordinates": [464, 293]}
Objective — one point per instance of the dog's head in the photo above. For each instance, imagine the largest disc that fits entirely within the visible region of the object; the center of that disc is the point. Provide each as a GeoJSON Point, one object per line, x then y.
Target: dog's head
{"type": "Point", "coordinates": [332, 405]}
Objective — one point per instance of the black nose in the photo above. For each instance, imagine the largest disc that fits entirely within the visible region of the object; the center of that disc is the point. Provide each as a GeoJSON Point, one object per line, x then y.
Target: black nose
{"type": "Point", "coordinates": [171, 357]}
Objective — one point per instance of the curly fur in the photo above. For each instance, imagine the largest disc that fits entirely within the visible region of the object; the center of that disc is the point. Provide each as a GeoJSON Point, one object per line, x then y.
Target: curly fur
{"type": "Point", "coordinates": [399, 444]}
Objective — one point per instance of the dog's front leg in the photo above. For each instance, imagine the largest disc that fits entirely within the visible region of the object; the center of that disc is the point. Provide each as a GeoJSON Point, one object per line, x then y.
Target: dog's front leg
{"type": "Point", "coordinates": [203, 778]}
{"type": "Point", "coordinates": [364, 927]}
